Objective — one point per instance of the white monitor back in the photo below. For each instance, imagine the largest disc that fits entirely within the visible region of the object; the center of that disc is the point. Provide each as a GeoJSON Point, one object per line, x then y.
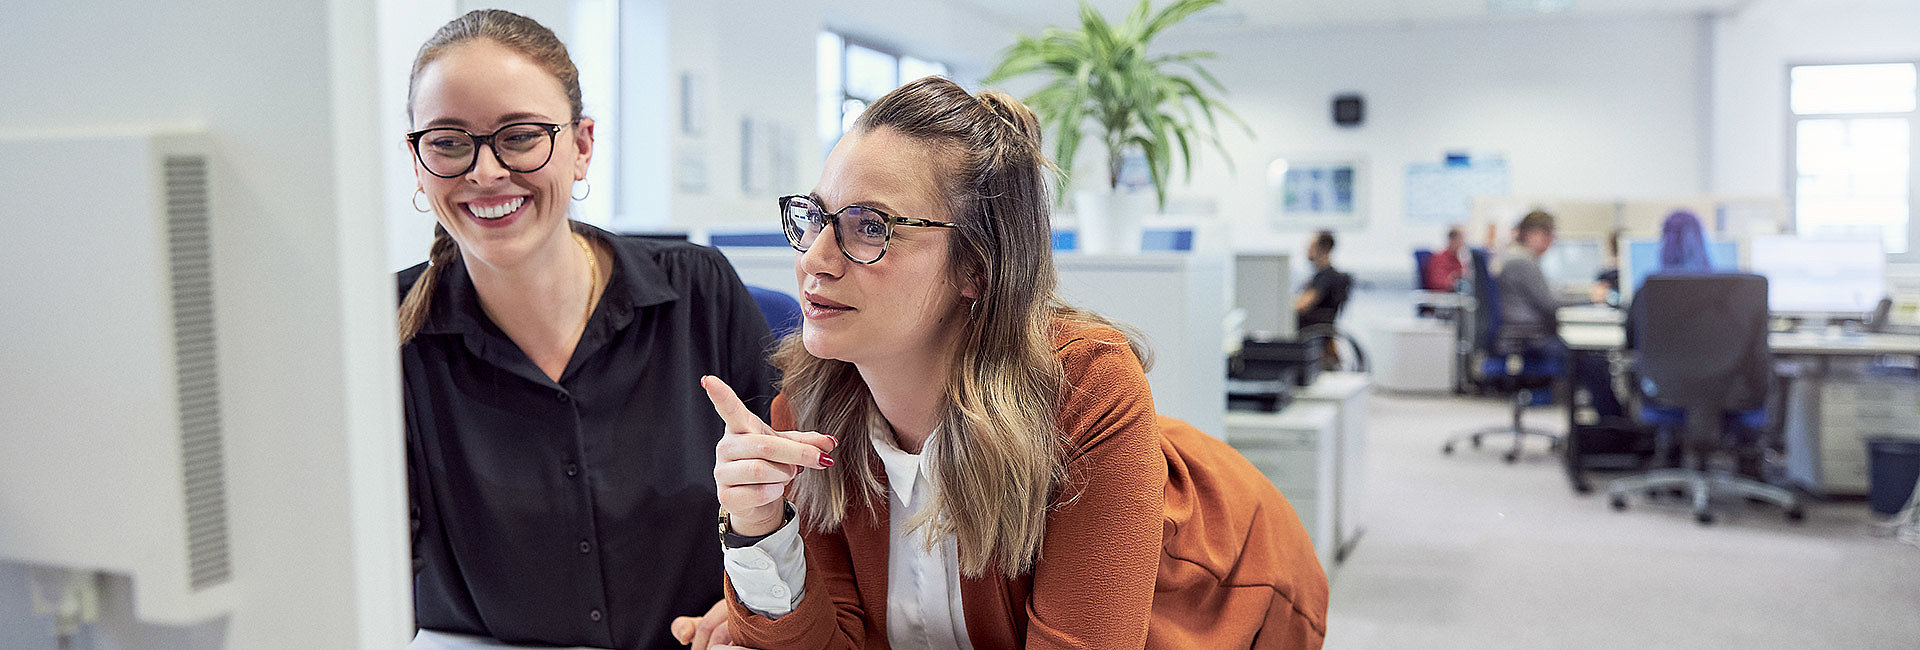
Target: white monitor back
{"type": "Point", "coordinates": [1263, 287]}
{"type": "Point", "coordinates": [112, 360]}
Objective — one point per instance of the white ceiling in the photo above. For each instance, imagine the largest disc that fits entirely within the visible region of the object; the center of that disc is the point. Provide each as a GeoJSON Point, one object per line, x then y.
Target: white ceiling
{"type": "Point", "coordinates": [1028, 16]}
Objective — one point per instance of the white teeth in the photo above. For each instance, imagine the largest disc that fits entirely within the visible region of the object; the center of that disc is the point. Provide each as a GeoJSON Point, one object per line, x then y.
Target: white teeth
{"type": "Point", "coordinates": [498, 211]}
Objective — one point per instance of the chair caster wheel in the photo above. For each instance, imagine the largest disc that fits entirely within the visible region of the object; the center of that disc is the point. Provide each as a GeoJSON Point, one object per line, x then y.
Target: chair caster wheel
{"type": "Point", "coordinates": [1476, 442]}
{"type": "Point", "coordinates": [1582, 488]}
{"type": "Point", "coordinates": [1510, 457]}
{"type": "Point", "coordinates": [1796, 514]}
{"type": "Point", "coordinates": [1705, 518]}
{"type": "Point", "coordinates": [1618, 502]}
{"type": "Point", "coordinates": [1447, 449]}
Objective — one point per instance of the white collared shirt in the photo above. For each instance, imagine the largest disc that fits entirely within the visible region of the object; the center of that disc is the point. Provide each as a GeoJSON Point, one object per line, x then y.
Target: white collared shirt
{"type": "Point", "coordinates": [923, 588]}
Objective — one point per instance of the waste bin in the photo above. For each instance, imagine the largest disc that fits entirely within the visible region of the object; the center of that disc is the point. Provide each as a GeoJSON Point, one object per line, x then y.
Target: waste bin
{"type": "Point", "coordinates": [1893, 467]}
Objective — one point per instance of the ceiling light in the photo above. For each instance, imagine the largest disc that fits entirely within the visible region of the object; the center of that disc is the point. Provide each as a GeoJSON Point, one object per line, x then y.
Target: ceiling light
{"type": "Point", "coordinates": [1529, 6]}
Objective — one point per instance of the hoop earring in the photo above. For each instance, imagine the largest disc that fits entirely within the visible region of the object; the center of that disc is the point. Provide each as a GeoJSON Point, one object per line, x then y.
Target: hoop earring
{"type": "Point", "coordinates": [417, 193]}
{"type": "Point", "coordinates": [583, 197]}
{"type": "Point", "coordinates": [973, 309]}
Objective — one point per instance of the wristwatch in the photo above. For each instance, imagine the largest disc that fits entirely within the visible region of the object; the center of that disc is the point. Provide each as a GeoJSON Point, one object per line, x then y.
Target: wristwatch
{"type": "Point", "coordinates": [735, 540]}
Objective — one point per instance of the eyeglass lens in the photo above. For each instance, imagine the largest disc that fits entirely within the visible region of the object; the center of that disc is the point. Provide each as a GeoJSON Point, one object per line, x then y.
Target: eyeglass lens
{"type": "Point", "coordinates": [862, 232]}
{"type": "Point", "coordinates": [521, 148]}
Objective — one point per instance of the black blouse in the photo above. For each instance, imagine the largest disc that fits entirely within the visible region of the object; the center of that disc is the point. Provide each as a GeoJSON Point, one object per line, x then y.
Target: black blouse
{"type": "Point", "coordinates": [577, 512]}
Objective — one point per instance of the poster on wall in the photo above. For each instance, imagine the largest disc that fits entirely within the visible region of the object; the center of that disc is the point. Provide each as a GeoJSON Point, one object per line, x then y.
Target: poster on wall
{"type": "Point", "coordinates": [768, 156]}
{"type": "Point", "coordinates": [1443, 193]}
{"type": "Point", "coordinates": [1309, 192]}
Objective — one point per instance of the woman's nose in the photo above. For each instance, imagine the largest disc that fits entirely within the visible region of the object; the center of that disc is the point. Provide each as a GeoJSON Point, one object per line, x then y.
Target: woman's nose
{"type": "Point", "coordinates": [824, 257]}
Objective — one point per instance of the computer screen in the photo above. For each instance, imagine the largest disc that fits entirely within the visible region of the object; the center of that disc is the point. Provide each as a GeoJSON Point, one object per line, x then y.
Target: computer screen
{"type": "Point", "coordinates": [1641, 258]}
{"type": "Point", "coordinates": [1571, 266]}
{"type": "Point", "coordinates": [1819, 275]}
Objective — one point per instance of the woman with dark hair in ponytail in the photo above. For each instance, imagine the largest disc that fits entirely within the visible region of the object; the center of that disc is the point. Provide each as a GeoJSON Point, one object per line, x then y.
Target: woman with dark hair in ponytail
{"type": "Point", "coordinates": [960, 460]}
{"type": "Point", "coordinates": [558, 448]}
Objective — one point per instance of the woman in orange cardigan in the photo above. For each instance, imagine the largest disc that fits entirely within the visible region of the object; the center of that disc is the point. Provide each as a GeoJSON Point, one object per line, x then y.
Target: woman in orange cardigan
{"type": "Point", "coordinates": [987, 469]}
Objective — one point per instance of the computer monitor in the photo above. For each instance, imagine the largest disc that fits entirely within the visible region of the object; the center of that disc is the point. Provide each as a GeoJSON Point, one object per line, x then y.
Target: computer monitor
{"type": "Point", "coordinates": [199, 390]}
{"type": "Point", "coordinates": [1641, 258]}
{"type": "Point", "coordinates": [1571, 266]}
{"type": "Point", "coordinates": [1263, 287]}
{"type": "Point", "coordinates": [1820, 276]}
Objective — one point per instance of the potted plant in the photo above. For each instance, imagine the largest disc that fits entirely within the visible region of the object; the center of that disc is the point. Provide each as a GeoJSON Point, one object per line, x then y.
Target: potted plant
{"type": "Point", "coordinates": [1101, 81]}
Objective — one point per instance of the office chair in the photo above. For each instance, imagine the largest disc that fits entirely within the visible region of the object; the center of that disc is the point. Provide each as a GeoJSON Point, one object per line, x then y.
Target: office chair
{"type": "Point", "coordinates": [1348, 356]}
{"type": "Point", "coordinates": [1507, 366]}
{"type": "Point", "coordinates": [1421, 257]}
{"type": "Point", "coordinates": [781, 310]}
{"type": "Point", "coordinates": [1702, 360]}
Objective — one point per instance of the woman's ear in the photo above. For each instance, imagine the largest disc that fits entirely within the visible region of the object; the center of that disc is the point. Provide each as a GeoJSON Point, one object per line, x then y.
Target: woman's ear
{"type": "Point", "coordinates": [583, 142]}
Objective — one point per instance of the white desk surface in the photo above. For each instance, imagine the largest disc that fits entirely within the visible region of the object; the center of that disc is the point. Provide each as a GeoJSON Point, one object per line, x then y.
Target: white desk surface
{"type": "Point", "coordinates": [1335, 386]}
{"type": "Point", "coordinates": [1589, 336]}
{"type": "Point", "coordinates": [1595, 314]}
{"type": "Point", "coordinates": [1439, 298]}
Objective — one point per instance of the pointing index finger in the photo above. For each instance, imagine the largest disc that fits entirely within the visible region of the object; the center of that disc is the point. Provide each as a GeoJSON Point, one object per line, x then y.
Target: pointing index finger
{"type": "Point", "coordinates": [739, 418]}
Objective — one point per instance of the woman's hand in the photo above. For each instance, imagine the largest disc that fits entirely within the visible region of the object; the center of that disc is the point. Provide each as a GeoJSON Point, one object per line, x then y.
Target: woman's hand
{"type": "Point", "coordinates": [753, 464]}
{"type": "Point", "coordinates": [704, 631]}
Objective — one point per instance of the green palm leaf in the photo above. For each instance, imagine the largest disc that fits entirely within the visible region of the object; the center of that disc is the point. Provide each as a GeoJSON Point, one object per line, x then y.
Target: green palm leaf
{"type": "Point", "coordinates": [1101, 83]}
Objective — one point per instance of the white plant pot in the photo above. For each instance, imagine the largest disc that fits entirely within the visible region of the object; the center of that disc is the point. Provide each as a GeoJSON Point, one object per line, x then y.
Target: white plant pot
{"type": "Point", "coordinates": [1109, 221]}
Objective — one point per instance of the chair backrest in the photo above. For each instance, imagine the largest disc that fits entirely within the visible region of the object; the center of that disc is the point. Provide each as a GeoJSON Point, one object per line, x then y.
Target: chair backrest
{"type": "Point", "coordinates": [1341, 290]}
{"type": "Point", "coordinates": [1486, 300]}
{"type": "Point", "coordinates": [1702, 340]}
{"type": "Point", "coordinates": [781, 310]}
{"type": "Point", "coordinates": [1420, 259]}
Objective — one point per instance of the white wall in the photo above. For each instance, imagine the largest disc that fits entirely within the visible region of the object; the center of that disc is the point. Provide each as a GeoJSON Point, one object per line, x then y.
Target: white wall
{"type": "Point", "coordinates": [315, 468]}
{"type": "Point", "coordinates": [757, 59]}
{"type": "Point", "coordinates": [1752, 49]}
{"type": "Point", "coordinates": [1598, 108]}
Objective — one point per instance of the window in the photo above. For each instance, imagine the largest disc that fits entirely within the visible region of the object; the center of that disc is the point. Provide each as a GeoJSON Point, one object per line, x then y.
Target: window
{"type": "Point", "coordinates": [1853, 130]}
{"type": "Point", "coordinates": [853, 74]}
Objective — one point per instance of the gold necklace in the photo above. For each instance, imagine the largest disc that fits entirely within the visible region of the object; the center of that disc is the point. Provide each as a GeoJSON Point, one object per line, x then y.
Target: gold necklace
{"type": "Point", "coordinates": [593, 277]}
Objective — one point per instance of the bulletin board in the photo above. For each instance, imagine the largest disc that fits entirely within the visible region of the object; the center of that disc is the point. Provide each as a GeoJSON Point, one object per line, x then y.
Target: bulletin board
{"type": "Point", "coordinates": [1443, 193]}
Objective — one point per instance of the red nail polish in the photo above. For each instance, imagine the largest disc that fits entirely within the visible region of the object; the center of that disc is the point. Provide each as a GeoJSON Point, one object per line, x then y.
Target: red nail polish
{"type": "Point", "coordinates": [836, 440]}
{"type": "Point", "coordinates": [826, 461]}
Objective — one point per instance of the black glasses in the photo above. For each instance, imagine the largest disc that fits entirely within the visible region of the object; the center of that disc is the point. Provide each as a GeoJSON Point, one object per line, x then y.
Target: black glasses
{"type": "Point", "coordinates": [861, 232]}
{"type": "Point", "coordinates": [448, 152]}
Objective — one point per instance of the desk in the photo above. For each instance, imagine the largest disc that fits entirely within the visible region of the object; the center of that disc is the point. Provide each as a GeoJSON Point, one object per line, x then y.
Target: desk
{"type": "Point", "coordinates": [1825, 453]}
{"type": "Point", "coordinates": [1595, 336]}
{"type": "Point", "coordinates": [1591, 314]}
{"type": "Point", "coordinates": [1347, 392]}
{"type": "Point", "coordinates": [1297, 450]}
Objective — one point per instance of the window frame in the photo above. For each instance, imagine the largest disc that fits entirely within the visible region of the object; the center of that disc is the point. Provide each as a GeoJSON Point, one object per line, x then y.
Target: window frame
{"type": "Point", "coordinates": [1791, 164]}
{"type": "Point", "coordinates": [848, 41]}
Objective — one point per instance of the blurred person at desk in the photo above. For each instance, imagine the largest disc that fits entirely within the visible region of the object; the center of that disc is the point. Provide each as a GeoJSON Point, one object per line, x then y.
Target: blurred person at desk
{"type": "Point", "coordinates": [1444, 269]}
{"type": "Point", "coordinates": [1320, 300]}
{"type": "Point", "coordinates": [1529, 307]}
{"type": "Point", "coordinates": [1683, 251]}
{"type": "Point", "coordinates": [1529, 310]}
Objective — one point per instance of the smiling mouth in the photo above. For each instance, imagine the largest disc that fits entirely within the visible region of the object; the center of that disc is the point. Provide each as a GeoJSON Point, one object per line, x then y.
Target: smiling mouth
{"type": "Point", "coordinates": [496, 211]}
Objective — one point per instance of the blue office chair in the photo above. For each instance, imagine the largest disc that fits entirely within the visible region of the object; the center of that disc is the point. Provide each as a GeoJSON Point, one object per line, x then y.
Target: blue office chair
{"type": "Point", "coordinates": [1420, 259]}
{"type": "Point", "coordinates": [1701, 355]}
{"type": "Point", "coordinates": [781, 310]}
{"type": "Point", "coordinates": [1507, 366]}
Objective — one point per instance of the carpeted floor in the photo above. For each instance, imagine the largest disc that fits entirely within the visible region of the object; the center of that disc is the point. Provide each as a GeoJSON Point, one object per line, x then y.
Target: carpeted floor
{"type": "Point", "coordinates": [1466, 551]}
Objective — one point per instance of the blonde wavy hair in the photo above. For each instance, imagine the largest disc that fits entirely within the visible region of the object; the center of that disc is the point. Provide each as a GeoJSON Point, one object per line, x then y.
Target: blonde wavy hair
{"type": "Point", "coordinates": [997, 465]}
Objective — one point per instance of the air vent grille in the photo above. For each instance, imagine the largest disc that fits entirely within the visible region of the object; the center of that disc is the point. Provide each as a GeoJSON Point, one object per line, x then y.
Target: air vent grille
{"type": "Point", "coordinates": [189, 237]}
